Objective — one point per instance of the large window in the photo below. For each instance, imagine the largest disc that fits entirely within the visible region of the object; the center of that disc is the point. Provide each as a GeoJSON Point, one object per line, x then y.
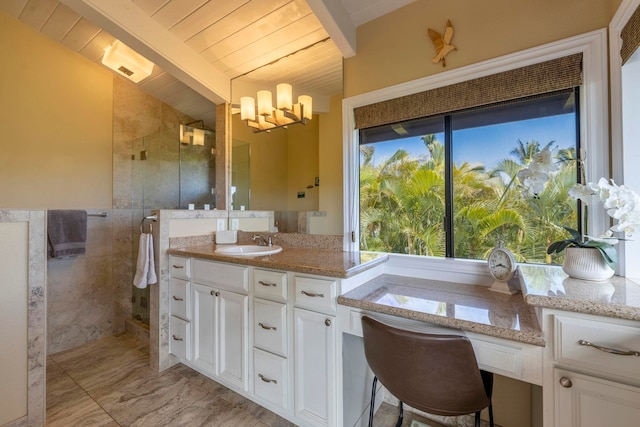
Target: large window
{"type": "Point", "coordinates": [447, 185]}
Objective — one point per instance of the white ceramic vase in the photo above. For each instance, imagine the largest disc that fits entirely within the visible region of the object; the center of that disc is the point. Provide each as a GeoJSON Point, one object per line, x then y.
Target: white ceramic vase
{"type": "Point", "coordinates": [586, 264]}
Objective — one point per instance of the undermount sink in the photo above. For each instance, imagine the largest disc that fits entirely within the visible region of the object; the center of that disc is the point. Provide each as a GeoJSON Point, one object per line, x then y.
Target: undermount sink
{"type": "Point", "coordinates": [248, 250]}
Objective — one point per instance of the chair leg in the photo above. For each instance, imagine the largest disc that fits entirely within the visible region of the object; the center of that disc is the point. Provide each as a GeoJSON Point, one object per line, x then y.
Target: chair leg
{"type": "Point", "coordinates": [491, 414]}
{"type": "Point", "coordinates": [400, 416]}
{"type": "Point", "coordinates": [490, 407]}
{"type": "Point", "coordinates": [373, 401]}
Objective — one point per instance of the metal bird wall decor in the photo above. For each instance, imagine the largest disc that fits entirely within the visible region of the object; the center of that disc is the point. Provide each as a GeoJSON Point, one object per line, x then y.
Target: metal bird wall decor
{"type": "Point", "coordinates": [442, 43]}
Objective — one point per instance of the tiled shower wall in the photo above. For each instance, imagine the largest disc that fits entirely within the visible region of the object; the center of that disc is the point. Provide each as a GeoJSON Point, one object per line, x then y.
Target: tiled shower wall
{"type": "Point", "coordinates": [89, 297]}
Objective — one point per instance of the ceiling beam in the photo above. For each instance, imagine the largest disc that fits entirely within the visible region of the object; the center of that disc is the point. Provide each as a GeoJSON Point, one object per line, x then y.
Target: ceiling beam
{"type": "Point", "coordinates": [129, 24]}
{"type": "Point", "coordinates": [336, 21]}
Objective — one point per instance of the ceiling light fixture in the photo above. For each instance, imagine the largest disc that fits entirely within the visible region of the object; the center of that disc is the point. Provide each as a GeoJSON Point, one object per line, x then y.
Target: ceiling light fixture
{"type": "Point", "coordinates": [193, 135]}
{"type": "Point", "coordinates": [265, 117]}
{"type": "Point", "coordinates": [127, 62]}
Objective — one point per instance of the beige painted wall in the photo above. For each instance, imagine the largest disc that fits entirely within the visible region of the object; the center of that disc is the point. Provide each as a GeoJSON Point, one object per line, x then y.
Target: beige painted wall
{"type": "Point", "coordinates": [396, 48]}
{"type": "Point", "coordinates": [55, 116]}
{"type": "Point", "coordinates": [302, 165]}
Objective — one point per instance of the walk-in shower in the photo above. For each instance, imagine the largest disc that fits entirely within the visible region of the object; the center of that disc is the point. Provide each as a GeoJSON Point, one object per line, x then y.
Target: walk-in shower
{"type": "Point", "coordinates": [171, 170]}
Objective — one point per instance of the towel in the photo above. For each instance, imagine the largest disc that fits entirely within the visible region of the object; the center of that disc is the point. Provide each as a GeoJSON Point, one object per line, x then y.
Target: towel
{"type": "Point", "coordinates": [145, 267]}
{"type": "Point", "coordinates": [67, 233]}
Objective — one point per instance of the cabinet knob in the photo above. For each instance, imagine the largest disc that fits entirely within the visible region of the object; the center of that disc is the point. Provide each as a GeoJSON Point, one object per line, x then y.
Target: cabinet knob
{"type": "Point", "coordinates": [215, 293]}
{"type": "Point", "coordinates": [566, 382]}
{"type": "Point", "coordinates": [327, 322]}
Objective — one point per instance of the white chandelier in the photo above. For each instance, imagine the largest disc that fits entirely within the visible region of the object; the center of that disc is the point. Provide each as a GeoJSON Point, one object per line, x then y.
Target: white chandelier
{"type": "Point", "coordinates": [265, 117]}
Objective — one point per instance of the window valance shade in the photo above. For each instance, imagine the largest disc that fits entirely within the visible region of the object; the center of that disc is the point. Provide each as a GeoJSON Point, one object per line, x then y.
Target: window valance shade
{"type": "Point", "coordinates": [630, 35]}
{"type": "Point", "coordinates": [548, 76]}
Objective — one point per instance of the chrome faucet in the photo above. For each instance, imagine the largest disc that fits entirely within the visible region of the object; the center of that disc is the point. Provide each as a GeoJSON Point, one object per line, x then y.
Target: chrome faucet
{"type": "Point", "coordinates": [261, 240]}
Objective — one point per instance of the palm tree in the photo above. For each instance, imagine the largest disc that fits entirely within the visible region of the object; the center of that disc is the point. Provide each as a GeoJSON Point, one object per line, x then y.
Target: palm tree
{"type": "Point", "coordinates": [525, 152]}
{"type": "Point", "coordinates": [403, 204]}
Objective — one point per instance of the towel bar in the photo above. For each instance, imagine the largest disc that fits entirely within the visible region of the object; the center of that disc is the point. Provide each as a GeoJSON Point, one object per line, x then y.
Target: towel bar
{"type": "Point", "coordinates": [151, 218]}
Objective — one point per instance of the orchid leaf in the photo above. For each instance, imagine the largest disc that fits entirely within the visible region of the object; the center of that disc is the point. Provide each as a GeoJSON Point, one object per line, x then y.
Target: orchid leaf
{"type": "Point", "coordinates": [574, 233]}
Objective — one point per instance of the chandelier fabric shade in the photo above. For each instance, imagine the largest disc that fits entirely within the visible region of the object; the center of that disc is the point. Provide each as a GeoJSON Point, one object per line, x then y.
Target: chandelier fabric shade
{"type": "Point", "coordinates": [263, 117]}
{"type": "Point", "coordinates": [193, 135]}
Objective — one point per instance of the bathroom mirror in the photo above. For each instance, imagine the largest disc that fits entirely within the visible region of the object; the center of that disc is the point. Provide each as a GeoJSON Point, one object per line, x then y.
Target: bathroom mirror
{"type": "Point", "coordinates": [294, 171]}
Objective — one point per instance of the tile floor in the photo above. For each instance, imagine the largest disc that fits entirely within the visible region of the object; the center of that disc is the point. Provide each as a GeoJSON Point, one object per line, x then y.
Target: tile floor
{"type": "Point", "coordinates": [108, 383]}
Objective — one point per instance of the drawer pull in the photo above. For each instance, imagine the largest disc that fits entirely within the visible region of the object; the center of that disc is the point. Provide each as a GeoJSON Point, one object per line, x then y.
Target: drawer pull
{"type": "Point", "coordinates": [311, 294]}
{"type": "Point", "coordinates": [566, 382]}
{"type": "Point", "coordinates": [178, 266]}
{"type": "Point", "coordinates": [267, 380]}
{"type": "Point", "coordinates": [177, 298]}
{"type": "Point", "coordinates": [175, 338]}
{"type": "Point", "coordinates": [266, 283]}
{"type": "Point", "coordinates": [609, 349]}
{"type": "Point", "coordinates": [267, 327]}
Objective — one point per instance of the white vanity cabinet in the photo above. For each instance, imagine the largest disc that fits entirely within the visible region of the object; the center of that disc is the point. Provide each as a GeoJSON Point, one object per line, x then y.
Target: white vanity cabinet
{"type": "Point", "coordinates": [595, 375]}
{"type": "Point", "coordinates": [220, 310]}
{"type": "Point", "coordinates": [267, 334]}
{"type": "Point", "coordinates": [315, 350]}
{"type": "Point", "coordinates": [180, 307]}
{"type": "Point", "coordinates": [270, 314]}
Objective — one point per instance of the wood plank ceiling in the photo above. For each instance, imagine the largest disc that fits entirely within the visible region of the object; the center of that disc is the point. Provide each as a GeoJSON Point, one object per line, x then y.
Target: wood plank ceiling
{"type": "Point", "coordinates": [258, 42]}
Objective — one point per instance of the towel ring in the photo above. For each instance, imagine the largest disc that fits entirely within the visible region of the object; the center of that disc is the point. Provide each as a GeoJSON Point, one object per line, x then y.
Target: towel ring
{"type": "Point", "coordinates": [152, 218]}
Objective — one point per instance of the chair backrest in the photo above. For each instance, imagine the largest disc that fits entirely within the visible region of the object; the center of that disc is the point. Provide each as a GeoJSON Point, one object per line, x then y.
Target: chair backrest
{"type": "Point", "coordinates": [437, 374]}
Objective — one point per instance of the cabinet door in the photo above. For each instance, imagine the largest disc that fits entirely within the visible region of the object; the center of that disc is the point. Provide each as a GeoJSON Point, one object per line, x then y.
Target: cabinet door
{"type": "Point", "coordinates": [315, 367]}
{"type": "Point", "coordinates": [233, 342]}
{"type": "Point", "coordinates": [204, 324]}
{"type": "Point", "coordinates": [585, 401]}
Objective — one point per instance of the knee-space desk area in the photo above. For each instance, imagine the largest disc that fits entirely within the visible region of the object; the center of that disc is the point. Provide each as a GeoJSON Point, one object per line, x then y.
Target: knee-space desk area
{"type": "Point", "coordinates": [578, 340]}
{"type": "Point", "coordinates": [503, 329]}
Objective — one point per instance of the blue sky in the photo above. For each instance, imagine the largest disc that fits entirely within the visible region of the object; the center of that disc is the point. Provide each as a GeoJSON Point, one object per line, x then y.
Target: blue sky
{"type": "Point", "coordinates": [489, 144]}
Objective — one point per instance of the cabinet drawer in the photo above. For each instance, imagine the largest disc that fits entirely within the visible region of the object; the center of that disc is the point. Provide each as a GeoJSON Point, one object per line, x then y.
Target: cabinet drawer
{"type": "Point", "coordinates": [270, 284]}
{"type": "Point", "coordinates": [231, 277]}
{"type": "Point", "coordinates": [571, 331]}
{"type": "Point", "coordinates": [269, 326]}
{"type": "Point", "coordinates": [315, 294]}
{"type": "Point", "coordinates": [270, 378]}
{"type": "Point", "coordinates": [180, 338]}
{"type": "Point", "coordinates": [179, 267]}
{"type": "Point", "coordinates": [179, 300]}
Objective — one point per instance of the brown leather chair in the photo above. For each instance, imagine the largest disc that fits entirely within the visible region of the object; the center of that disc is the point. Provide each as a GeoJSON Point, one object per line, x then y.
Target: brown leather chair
{"type": "Point", "coordinates": [437, 374]}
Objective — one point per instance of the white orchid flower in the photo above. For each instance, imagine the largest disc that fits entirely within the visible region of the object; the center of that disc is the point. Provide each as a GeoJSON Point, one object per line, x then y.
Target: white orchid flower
{"type": "Point", "coordinates": [582, 192]}
{"type": "Point", "coordinates": [533, 182]}
{"type": "Point", "coordinates": [542, 162]}
{"type": "Point", "coordinates": [620, 203]}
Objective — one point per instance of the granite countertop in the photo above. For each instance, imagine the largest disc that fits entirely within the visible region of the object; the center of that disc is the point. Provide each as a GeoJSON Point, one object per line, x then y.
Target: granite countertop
{"type": "Point", "coordinates": [550, 287]}
{"type": "Point", "coordinates": [323, 262]}
{"type": "Point", "coordinates": [459, 306]}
